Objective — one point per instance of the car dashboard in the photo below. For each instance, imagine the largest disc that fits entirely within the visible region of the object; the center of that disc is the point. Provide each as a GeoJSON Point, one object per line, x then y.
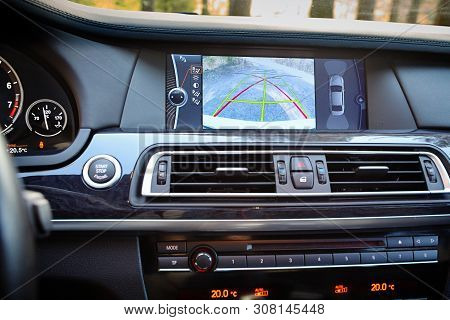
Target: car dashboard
{"type": "Point", "coordinates": [197, 168]}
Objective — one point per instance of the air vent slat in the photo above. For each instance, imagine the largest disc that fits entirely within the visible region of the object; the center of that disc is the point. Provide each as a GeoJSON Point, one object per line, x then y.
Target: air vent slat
{"type": "Point", "coordinates": [222, 173]}
{"type": "Point", "coordinates": [377, 182]}
{"type": "Point", "coordinates": [213, 184]}
{"type": "Point", "coordinates": [370, 162]}
{"type": "Point", "coordinates": [403, 173]}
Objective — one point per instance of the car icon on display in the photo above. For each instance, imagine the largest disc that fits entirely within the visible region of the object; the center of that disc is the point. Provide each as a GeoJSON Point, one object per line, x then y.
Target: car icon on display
{"type": "Point", "coordinates": [337, 95]}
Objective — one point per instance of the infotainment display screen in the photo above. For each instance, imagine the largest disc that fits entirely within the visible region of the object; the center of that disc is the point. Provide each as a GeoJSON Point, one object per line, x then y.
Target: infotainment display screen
{"type": "Point", "coordinates": [235, 92]}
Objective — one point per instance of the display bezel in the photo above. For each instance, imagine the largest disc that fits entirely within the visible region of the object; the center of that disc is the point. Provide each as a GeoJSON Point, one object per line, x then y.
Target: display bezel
{"type": "Point", "coordinates": [269, 53]}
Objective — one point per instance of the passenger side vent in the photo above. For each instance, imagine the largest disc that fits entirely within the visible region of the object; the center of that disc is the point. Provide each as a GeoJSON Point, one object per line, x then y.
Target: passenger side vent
{"type": "Point", "coordinates": [222, 173]}
{"type": "Point", "coordinates": [375, 173]}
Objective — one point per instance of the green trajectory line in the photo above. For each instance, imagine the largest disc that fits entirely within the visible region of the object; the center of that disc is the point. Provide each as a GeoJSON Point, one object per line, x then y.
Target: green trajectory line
{"type": "Point", "coordinates": [227, 97]}
{"type": "Point", "coordinates": [263, 106]}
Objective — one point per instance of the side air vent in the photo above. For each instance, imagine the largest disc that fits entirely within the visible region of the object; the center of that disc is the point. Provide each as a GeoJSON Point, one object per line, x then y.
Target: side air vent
{"type": "Point", "coordinates": [222, 173]}
{"type": "Point", "coordinates": [375, 173]}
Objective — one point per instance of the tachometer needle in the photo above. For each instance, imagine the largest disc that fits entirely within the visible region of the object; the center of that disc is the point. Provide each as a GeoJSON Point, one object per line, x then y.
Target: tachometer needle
{"type": "Point", "coordinates": [45, 119]}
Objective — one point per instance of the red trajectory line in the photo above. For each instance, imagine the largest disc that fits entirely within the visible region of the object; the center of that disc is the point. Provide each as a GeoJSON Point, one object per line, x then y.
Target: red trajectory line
{"type": "Point", "coordinates": [234, 98]}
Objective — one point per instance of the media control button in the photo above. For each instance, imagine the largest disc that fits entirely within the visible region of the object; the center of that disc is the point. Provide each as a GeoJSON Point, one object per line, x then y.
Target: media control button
{"type": "Point", "coordinates": [267, 261]}
{"type": "Point", "coordinates": [300, 164]}
{"type": "Point", "coordinates": [426, 241]}
{"type": "Point", "coordinates": [399, 242]}
{"type": "Point", "coordinates": [318, 259]}
{"type": "Point", "coordinates": [290, 260]}
{"type": "Point", "coordinates": [346, 258]}
{"type": "Point", "coordinates": [400, 256]}
{"type": "Point", "coordinates": [173, 262]}
{"type": "Point", "coordinates": [425, 255]}
{"type": "Point", "coordinates": [302, 180]}
{"type": "Point", "coordinates": [232, 262]}
{"type": "Point", "coordinates": [373, 257]}
{"type": "Point", "coordinates": [172, 247]}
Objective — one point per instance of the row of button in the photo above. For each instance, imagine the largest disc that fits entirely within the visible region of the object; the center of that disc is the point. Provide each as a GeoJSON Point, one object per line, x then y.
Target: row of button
{"type": "Point", "coordinates": [300, 260]}
{"type": "Point", "coordinates": [408, 242]}
{"type": "Point", "coordinates": [392, 242]}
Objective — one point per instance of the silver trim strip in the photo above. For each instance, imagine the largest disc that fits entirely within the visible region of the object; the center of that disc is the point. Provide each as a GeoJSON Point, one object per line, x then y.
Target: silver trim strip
{"type": "Point", "coordinates": [175, 70]}
{"type": "Point", "coordinates": [247, 225]}
{"type": "Point", "coordinates": [148, 175]}
{"type": "Point", "coordinates": [174, 270]}
{"type": "Point", "coordinates": [328, 266]}
{"type": "Point", "coordinates": [309, 267]}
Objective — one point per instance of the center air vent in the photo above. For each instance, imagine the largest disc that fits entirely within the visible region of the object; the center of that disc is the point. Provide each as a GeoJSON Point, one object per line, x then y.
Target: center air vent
{"type": "Point", "coordinates": [222, 173]}
{"type": "Point", "coordinates": [375, 172]}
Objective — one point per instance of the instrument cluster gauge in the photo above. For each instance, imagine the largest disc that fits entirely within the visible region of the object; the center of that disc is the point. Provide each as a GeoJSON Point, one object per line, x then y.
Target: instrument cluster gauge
{"type": "Point", "coordinates": [11, 96]}
{"type": "Point", "coordinates": [46, 118]}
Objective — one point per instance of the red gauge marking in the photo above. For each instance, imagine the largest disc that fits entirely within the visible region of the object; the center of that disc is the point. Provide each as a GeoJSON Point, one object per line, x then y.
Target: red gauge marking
{"type": "Point", "coordinates": [13, 112]}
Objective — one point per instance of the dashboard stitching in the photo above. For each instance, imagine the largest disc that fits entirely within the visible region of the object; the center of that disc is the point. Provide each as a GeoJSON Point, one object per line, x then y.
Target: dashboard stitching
{"type": "Point", "coordinates": [252, 34]}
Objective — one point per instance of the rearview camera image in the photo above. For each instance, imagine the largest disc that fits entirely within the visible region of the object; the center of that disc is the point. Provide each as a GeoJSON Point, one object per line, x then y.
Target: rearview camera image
{"type": "Point", "coordinates": [258, 93]}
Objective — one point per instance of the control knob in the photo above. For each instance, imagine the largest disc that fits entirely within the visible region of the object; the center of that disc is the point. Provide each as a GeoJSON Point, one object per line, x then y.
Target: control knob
{"type": "Point", "coordinates": [203, 260]}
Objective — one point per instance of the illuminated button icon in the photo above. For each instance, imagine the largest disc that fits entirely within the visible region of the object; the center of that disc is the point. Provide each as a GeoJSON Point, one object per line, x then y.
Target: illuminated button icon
{"type": "Point", "coordinates": [370, 258]}
{"type": "Point", "coordinates": [41, 144]}
{"type": "Point", "coordinates": [196, 85]}
{"type": "Point", "coordinates": [172, 247]}
{"type": "Point", "coordinates": [172, 262]}
{"type": "Point", "coordinates": [196, 70]}
{"type": "Point", "coordinates": [300, 164]}
{"type": "Point", "coordinates": [399, 242]}
{"type": "Point", "coordinates": [261, 292]}
{"type": "Point", "coordinates": [302, 180]}
{"type": "Point", "coordinates": [340, 289]}
{"type": "Point", "coordinates": [318, 259]}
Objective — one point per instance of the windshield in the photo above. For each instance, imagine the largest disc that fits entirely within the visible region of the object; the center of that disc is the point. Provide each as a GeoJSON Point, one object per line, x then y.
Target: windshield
{"type": "Point", "coordinates": [434, 12]}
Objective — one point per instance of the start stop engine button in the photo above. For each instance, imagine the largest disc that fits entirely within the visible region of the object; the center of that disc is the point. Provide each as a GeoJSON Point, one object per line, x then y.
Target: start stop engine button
{"type": "Point", "coordinates": [101, 171]}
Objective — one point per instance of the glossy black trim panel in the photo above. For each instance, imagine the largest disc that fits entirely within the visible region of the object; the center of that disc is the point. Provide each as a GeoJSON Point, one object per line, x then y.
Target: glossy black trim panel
{"type": "Point", "coordinates": [72, 199]}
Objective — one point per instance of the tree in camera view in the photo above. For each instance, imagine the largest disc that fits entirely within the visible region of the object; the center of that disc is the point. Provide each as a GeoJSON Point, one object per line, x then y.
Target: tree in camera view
{"type": "Point", "coordinates": [435, 12]}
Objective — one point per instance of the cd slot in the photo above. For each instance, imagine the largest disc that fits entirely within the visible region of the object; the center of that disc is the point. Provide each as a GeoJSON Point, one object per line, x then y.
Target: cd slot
{"type": "Point", "coordinates": [292, 245]}
{"type": "Point", "coordinates": [320, 244]}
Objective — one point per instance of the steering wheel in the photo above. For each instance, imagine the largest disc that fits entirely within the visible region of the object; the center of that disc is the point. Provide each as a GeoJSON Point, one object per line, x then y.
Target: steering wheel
{"type": "Point", "coordinates": [16, 235]}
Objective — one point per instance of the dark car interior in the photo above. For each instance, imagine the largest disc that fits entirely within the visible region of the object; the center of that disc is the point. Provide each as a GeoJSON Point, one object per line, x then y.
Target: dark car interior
{"type": "Point", "coordinates": [159, 156]}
